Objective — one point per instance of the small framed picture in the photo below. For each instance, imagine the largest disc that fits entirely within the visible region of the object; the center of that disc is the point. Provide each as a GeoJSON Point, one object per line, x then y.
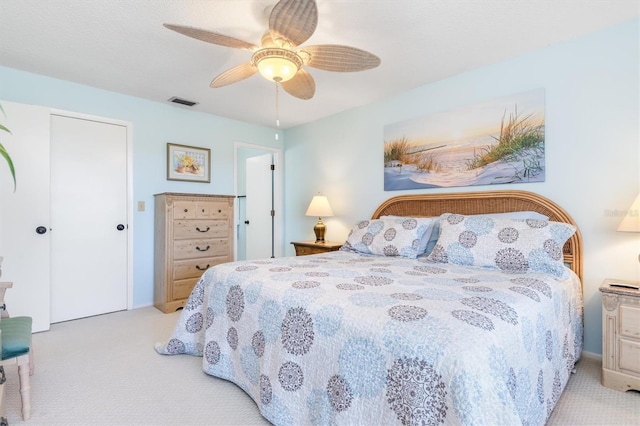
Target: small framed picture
{"type": "Point", "coordinates": [188, 163]}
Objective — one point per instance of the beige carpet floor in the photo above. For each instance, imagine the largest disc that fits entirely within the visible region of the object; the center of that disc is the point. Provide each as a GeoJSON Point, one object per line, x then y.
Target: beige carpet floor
{"type": "Point", "coordinates": [104, 371]}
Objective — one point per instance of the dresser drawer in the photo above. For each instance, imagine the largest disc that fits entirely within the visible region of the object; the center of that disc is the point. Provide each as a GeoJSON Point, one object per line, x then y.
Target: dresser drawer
{"type": "Point", "coordinates": [185, 209]}
{"type": "Point", "coordinates": [195, 249]}
{"type": "Point", "coordinates": [182, 288]}
{"type": "Point", "coordinates": [185, 229]}
{"type": "Point", "coordinates": [195, 268]}
{"type": "Point", "coordinates": [213, 210]}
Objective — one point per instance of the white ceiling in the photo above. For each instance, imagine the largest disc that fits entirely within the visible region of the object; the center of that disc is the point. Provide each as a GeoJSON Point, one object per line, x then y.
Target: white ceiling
{"type": "Point", "coordinates": [121, 45]}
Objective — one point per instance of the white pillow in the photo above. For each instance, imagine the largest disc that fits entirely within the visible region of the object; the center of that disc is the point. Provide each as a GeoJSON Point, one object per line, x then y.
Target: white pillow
{"type": "Point", "coordinates": [388, 237]}
{"type": "Point", "coordinates": [510, 245]}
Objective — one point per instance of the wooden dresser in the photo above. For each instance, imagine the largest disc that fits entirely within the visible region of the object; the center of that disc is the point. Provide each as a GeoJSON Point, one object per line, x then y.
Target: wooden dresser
{"type": "Point", "coordinates": [192, 233]}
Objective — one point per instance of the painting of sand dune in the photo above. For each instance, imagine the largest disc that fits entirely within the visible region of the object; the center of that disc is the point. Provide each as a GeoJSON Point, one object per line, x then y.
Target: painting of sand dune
{"type": "Point", "coordinates": [495, 142]}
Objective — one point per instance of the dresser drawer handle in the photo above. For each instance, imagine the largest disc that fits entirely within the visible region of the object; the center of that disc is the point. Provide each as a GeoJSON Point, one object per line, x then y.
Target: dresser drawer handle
{"type": "Point", "coordinates": [200, 230]}
{"type": "Point", "coordinates": [186, 210]}
{"type": "Point", "coordinates": [205, 249]}
{"type": "Point", "coordinates": [202, 269]}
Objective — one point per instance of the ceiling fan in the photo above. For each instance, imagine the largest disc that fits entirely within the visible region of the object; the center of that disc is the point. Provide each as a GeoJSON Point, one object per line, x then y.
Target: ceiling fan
{"type": "Point", "coordinates": [291, 23]}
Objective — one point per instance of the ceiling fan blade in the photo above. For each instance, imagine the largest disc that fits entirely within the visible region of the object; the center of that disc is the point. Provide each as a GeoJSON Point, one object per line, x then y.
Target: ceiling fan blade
{"type": "Point", "coordinates": [234, 75]}
{"type": "Point", "coordinates": [211, 37]}
{"type": "Point", "coordinates": [302, 86]}
{"type": "Point", "coordinates": [292, 22]}
{"type": "Point", "coordinates": [334, 57]}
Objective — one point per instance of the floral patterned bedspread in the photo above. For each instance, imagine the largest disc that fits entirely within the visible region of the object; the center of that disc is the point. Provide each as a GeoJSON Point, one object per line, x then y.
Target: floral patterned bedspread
{"type": "Point", "coordinates": [345, 338]}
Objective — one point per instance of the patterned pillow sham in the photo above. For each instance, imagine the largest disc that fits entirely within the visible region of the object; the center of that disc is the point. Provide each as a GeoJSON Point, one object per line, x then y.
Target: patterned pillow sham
{"type": "Point", "coordinates": [388, 237]}
{"type": "Point", "coordinates": [521, 215]}
{"type": "Point", "coordinates": [506, 244]}
{"type": "Point", "coordinates": [424, 241]}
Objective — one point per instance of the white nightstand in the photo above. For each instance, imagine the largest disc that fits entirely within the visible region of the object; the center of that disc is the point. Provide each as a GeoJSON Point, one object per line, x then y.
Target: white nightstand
{"type": "Point", "coordinates": [620, 335]}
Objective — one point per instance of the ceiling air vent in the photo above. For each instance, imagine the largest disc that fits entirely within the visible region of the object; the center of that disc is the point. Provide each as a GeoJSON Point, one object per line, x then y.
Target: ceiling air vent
{"type": "Point", "coordinates": [177, 100]}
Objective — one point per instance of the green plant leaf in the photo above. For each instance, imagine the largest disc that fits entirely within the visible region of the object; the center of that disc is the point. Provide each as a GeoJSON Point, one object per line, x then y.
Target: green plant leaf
{"type": "Point", "coordinates": [5, 154]}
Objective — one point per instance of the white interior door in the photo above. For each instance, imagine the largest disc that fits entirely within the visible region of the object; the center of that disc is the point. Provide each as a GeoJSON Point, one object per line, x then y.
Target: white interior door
{"type": "Point", "coordinates": [258, 206]}
{"type": "Point", "coordinates": [26, 252]}
{"type": "Point", "coordinates": [88, 218]}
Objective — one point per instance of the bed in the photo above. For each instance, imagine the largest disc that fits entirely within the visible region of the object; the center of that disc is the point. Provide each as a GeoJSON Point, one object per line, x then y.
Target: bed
{"type": "Point", "coordinates": [398, 336]}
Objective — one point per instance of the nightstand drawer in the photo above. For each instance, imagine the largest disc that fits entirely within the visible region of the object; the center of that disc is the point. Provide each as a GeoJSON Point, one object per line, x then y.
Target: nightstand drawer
{"type": "Point", "coordinates": [303, 251]}
{"type": "Point", "coordinates": [630, 355]}
{"type": "Point", "coordinates": [304, 248]}
{"type": "Point", "coordinates": [630, 321]}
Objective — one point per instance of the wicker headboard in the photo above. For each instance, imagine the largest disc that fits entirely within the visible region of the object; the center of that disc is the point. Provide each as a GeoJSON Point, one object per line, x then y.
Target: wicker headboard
{"type": "Point", "coordinates": [425, 205]}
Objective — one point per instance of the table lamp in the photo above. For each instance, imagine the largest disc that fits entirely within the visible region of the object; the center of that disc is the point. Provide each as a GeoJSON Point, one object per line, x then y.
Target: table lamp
{"type": "Point", "coordinates": [318, 207]}
{"type": "Point", "coordinates": [631, 221]}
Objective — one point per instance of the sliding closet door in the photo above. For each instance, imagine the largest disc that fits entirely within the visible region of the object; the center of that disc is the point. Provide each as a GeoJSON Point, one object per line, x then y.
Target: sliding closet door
{"type": "Point", "coordinates": [25, 211]}
{"type": "Point", "coordinates": [88, 218]}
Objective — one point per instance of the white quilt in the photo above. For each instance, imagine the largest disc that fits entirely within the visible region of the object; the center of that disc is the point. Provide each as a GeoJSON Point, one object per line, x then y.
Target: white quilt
{"type": "Point", "coordinates": [351, 339]}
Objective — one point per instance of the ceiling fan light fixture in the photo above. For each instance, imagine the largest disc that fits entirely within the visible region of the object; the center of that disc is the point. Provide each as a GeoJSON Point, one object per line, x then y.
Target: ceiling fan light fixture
{"type": "Point", "coordinates": [277, 64]}
{"type": "Point", "coordinates": [279, 57]}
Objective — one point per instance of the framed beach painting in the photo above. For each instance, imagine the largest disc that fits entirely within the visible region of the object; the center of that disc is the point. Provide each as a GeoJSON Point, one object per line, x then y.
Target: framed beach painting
{"type": "Point", "coordinates": [188, 163]}
{"type": "Point", "coordinates": [495, 142]}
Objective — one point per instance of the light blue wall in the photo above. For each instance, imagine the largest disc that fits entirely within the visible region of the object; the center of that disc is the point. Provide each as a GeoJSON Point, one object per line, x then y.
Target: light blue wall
{"type": "Point", "coordinates": [592, 148]}
{"type": "Point", "coordinates": [154, 124]}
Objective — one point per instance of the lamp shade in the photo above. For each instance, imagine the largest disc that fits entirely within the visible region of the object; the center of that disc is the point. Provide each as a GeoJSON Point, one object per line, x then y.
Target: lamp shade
{"type": "Point", "coordinates": [631, 221]}
{"type": "Point", "coordinates": [319, 207]}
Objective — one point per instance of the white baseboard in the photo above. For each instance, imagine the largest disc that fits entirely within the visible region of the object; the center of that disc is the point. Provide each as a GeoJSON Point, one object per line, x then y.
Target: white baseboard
{"type": "Point", "coordinates": [146, 305]}
{"type": "Point", "coordinates": [591, 355]}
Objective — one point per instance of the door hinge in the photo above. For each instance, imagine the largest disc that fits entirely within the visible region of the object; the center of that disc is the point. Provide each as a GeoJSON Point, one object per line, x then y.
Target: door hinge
{"type": "Point", "coordinates": [273, 213]}
{"type": "Point", "coordinates": [273, 167]}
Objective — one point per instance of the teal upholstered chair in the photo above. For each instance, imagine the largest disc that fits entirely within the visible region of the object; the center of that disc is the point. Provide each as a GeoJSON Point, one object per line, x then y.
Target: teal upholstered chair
{"type": "Point", "coordinates": [15, 336]}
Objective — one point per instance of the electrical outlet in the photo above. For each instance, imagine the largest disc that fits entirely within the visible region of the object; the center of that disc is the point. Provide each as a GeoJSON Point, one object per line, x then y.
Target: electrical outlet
{"type": "Point", "coordinates": [140, 206]}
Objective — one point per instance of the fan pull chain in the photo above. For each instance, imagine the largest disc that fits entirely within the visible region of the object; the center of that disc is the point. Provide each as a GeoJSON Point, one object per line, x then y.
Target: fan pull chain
{"type": "Point", "coordinates": [277, 110]}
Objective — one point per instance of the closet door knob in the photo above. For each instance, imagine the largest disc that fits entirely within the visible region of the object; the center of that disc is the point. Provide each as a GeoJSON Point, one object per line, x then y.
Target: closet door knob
{"type": "Point", "coordinates": [120, 227]}
{"type": "Point", "coordinates": [41, 230]}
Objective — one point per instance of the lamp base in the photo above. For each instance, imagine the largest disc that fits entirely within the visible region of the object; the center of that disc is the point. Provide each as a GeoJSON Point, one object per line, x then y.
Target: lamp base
{"type": "Point", "coordinates": [319, 230]}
